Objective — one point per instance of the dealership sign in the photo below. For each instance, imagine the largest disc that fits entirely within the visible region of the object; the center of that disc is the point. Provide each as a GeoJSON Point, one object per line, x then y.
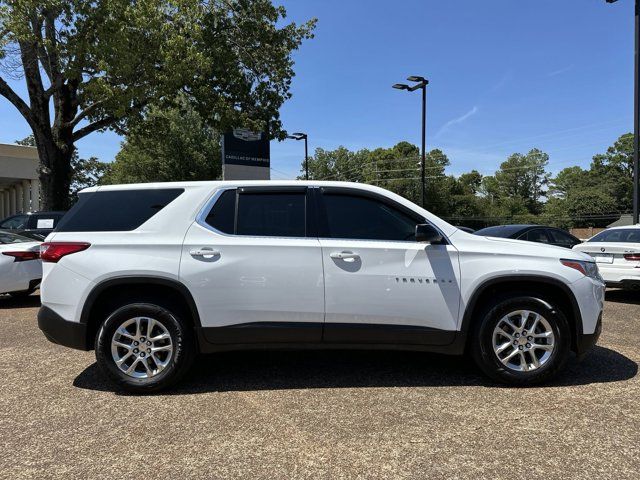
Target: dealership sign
{"type": "Point", "coordinates": [245, 155]}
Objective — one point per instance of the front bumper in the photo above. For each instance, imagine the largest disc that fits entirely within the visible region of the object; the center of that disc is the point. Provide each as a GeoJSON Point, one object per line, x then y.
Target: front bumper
{"type": "Point", "coordinates": [586, 341]}
{"type": "Point", "coordinates": [61, 331]}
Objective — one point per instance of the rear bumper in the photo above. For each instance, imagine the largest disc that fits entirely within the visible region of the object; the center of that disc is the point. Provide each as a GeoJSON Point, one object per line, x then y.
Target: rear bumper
{"type": "Point", "coordinates": [617, 276]}
{"type": "Point", "coordinates": [61, 331]}
{"type": "Point", "coordinates": [585, 341]}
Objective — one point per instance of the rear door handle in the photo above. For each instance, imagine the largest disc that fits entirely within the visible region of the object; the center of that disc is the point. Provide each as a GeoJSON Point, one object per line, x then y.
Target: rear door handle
{"type": "Point", "coordinates": [204, 252]}
{"type": "Point", "coordinates": [346, 256]}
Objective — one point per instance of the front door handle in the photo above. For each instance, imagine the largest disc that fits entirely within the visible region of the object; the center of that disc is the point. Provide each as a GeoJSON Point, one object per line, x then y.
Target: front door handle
{"type": "Point", "coordinates": [346, 256]}
{"type": "Point", "coordinates": [204, 252]}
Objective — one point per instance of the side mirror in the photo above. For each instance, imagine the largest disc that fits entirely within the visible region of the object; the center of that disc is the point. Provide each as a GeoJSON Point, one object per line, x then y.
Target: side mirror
{"type": "Point", "coordinates": [426, 233]}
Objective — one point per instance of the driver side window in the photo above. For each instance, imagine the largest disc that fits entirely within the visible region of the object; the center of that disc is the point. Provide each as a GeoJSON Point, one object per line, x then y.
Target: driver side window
{"type": "Point", "coordinates": [364, 218]}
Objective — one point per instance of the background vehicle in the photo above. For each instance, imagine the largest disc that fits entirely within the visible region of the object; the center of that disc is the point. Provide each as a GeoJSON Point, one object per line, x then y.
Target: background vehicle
{"type": "Point", "coordinates": [36, 225]}
{"type": "Point", "coordinates": [20, 266]}
{"type": "Point", "coordinates": [465, 229]}
{"type": "Point", "coordinates": [532, 233]}
{"type": "Point", "coordinates": [162, 271]}
{"type": "Point", "coordinates": [617, 253]}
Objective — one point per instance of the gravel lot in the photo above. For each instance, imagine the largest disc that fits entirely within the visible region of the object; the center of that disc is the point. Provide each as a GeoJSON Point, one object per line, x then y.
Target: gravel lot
{"type": "Point", "coordinates": [319, 414]}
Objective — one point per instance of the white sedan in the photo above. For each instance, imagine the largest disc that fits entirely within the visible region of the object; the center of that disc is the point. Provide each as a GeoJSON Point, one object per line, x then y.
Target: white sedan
{"type": "Point", "coordinates": [617, 253]}
{"type": "Point", "coordinates": [20, 265]}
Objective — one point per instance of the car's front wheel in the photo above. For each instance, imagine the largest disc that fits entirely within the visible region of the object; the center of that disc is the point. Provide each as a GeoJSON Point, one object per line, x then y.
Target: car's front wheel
{"type": "Point", "coordinates": [143, 347]}
{"type": "Point", "coordinates": [522, 340]}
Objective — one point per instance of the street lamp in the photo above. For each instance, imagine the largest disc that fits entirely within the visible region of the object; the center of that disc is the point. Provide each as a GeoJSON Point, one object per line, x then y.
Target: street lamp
{"type": "Point", "coordinates": [302, 136]}
{"type": "Point", "coordinates": [636, 111]}
{"type": "Point", "coordinates": [421, 83]}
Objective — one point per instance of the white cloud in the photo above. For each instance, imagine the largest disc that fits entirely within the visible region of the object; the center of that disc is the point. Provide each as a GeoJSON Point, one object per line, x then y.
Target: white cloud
{"type": "Point", "coordinates": [458, 120]}
{"type": "Point", "coordinates": [559, 71]}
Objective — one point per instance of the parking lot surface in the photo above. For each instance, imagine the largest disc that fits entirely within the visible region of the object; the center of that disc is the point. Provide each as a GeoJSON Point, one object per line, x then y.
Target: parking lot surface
{"type": "Point", "coordinates": [319, 414]}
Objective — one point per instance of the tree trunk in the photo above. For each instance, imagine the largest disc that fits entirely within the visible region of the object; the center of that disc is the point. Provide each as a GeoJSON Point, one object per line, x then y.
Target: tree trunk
{"type": "Point", "coordinates": [55, 173]}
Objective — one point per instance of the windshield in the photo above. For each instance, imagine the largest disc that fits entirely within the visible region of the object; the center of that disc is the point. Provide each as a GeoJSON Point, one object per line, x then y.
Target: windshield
{"type": "Point", "coordinates": [7, 238]}
{"type": "Point", "coordinates": [626, 235]}
{"type": "Point", "coordinates": [14, 223]}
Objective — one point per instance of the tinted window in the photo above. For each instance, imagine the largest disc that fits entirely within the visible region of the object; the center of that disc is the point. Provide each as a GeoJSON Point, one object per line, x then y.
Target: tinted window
{"type": "Point", "coordinates": [501, 231]}
{"type": "Point", "coordinates": [271, 214]}
{"type": "Point", "coordinates": [8, 238]}
{"type": "Point", "coordinates": [222, 215]}
{"type": "Point", "coordinates": [44, 221]}
{"type": "Point", "coordinates": [364, 218]}
{"type": "Point", "coordinates": [558, 236]}
{"type": "Point", "coordinates": [15, 222]}
{"type": "Point", "coordinates": [116, 210]}
{"type": "Point", "coordinates": [626, 235]}
{"type": "Point", "coordinates": [537, 235]}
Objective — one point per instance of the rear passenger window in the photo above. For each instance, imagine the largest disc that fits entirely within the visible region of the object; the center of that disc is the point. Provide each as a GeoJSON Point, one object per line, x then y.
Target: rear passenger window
{"type": "Point", "coordinates": [116, 210]}
{"type": "Point", "coordinates": [271, 214]}
{"type": "Point", "coordinates": [222, 215]}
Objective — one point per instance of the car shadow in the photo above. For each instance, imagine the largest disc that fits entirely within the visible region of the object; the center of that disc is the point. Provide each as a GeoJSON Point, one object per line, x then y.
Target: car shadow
{"type": "Point", "coordinates": [623, 296]}
{"type": "Point", "coordinates": [9, 302]}
{"type": "Point", "coordinates": [282, 370]}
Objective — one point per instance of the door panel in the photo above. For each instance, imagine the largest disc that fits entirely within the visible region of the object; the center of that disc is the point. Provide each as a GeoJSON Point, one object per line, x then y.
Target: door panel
{"type": "Point", "coordinates": [253, 279]}
{"type": "Point", "coordinates": [253, 284]}
{"type": "Point", "coordinates": [398, 284]}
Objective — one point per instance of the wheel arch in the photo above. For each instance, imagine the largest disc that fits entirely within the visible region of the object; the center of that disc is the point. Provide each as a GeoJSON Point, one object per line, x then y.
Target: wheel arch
{"type": "Point", "coordinates": [108, 292]}
{"type": "Point", "coordinates": [548, 287]}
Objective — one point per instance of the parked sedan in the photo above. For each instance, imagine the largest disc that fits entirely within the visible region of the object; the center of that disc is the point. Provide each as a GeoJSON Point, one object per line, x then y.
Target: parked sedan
{"type": "Point", "coordinates": [35, 225]}
{"type": "Point", "coordinates": [20, 266]}
{"type": "Point", "coordinates": [617, 253]}
{"type": "Point", "coordinates": [532, 233]}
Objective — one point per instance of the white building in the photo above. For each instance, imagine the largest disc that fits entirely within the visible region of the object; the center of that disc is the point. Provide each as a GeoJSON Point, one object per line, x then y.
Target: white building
{"type": "Point", "coordinates": [19, 183]}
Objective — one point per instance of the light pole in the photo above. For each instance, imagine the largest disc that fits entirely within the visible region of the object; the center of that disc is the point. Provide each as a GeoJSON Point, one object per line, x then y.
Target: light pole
{"type": "Point", "coordinates": [636, 110]}
{"type": "Point", "coordinates": [302, 136]}
{"type": "Point", "coordinates": [421, 84]}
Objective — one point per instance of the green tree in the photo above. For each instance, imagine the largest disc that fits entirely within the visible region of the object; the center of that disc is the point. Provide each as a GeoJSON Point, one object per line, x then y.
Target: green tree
{"type": "Point", "coordinates": [523, 177]}
{"type": "Point", "coordinates": [86, 173]}
{"type": "Point", "coordinates": [96, 65]}
{"type": "Point", "coordinates": [171, 144]}
{"type": "Point", "coordinates": [590, 208]}
{"type": "Point", "coordinates": [340, 164]}
{"type": "Point", "coordinates": [612, 172]}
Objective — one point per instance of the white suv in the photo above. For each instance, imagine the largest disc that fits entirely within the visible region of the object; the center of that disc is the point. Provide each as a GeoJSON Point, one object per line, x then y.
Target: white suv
{"type": "Point", "coordinates": [150, 275]}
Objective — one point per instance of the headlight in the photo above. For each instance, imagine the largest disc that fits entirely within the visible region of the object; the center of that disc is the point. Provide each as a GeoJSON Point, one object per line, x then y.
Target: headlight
{"type": "Point", "coordinates": [590, 269]}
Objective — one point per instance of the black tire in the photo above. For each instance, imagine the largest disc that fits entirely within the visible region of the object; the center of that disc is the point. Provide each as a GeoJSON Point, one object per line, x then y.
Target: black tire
{"type": "Point", "coordinates": [22, 293]}
{"type": "Point", "coordinates": [181, 337]}
{"type": "Point", "coordinates": [482, 341]}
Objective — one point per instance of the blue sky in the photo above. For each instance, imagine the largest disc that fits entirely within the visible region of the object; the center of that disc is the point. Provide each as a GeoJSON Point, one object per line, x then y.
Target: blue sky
{"type": "Point", "coordinates": [505, 76]}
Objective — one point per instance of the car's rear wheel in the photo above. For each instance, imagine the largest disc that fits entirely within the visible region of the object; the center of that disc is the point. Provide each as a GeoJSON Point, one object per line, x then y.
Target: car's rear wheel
{"type": "Point", "coordinates": [143, 347]}
{"type": "Point", "coordinates": [521, 341]}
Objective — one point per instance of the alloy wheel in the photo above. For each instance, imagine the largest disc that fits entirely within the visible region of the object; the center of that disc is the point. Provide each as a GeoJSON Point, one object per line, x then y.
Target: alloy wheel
{"type": "Point", "coordinates": [523, 340]}
{"type": "Point", "coordinates": [141, 347]}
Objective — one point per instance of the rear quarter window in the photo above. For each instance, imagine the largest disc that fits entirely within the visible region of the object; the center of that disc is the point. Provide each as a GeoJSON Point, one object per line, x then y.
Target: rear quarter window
{"type": "Point", "coordinates": [116, 210]}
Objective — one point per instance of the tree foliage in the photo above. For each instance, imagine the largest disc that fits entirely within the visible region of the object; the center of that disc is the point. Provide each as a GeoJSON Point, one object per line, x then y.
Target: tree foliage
{"type": "Point", "coordinates": [99, 65]}
{"type": "Point", "coordinates": [171, 144]}
{"type": "Point", "coordinates": [522, 190]}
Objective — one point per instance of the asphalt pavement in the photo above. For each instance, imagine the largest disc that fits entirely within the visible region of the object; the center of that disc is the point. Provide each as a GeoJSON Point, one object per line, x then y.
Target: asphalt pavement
{"type": "Point", "coordinates": [331, 414]}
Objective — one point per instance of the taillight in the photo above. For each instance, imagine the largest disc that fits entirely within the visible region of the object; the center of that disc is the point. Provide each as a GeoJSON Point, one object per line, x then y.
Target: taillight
{"type": "Point", "coordinates": [53, 251]}
{"type": "Point", "coordinates": [23, 256]}
{"type": "Point", "coordinates": [575, 265]}
{"type": "Point", "coordinates": [632, 257]}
